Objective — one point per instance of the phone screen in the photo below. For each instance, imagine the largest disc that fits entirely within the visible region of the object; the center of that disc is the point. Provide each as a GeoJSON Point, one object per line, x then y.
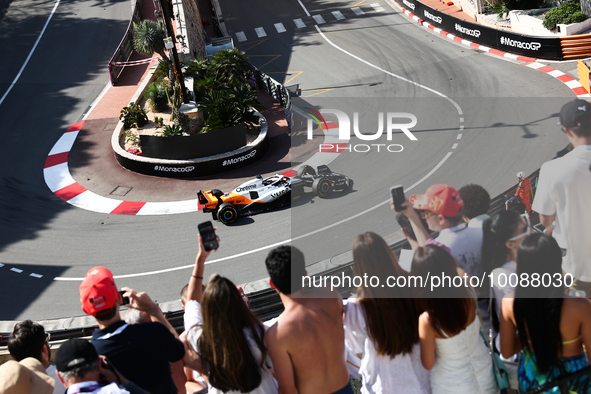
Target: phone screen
{"type": "Point", "coordinates": [398, 197]}
{"type": "Point", "coordinates": [208, 236]}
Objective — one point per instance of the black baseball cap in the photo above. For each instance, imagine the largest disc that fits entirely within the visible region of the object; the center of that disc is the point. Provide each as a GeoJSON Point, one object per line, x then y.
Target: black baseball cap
{"type": "Point", "coordinates": [74, 353]}
{"type": "Point", "coordinates": [575, 113]}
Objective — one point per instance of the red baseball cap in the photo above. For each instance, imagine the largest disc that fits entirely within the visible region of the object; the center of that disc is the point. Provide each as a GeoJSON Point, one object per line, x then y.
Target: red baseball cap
{"type": "Point", "coordinates": [98, 291]}
{"type": "Point", "coordinates": [440, 199]}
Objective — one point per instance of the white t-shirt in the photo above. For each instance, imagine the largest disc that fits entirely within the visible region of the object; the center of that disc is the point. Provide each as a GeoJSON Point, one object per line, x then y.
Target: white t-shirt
{"type": "Point", "coordinates": [564, 189]}
{"type": "Point", "coordinates": [193, 321]}
{"type": "Point", "coordinates": [502, 276]}
{"type": "Point", "coordinates": [478, 221]}
{"type": "Point", "coordinates": [59, 387]}
{"type": "Point", "coordinates": [465, 244]}
{"type": "Point", "coordinates": [401, 374]}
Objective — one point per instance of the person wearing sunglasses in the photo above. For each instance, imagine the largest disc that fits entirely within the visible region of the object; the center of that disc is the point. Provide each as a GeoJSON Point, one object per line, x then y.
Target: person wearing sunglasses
{"type": "Point", "coordinates": [29, 339]}
{"type": "Point", "coordinates": [564, 191]}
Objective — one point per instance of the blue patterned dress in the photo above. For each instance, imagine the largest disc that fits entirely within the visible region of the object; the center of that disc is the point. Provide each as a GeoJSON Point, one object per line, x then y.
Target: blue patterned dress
{"type": "Point", "coordinates": [530, 377]}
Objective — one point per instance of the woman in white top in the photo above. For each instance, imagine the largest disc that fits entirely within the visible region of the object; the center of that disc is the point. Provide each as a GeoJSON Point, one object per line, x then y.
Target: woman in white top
{"type": "Point", "coordinates": [381, 323]}
{"type": "Point", "coordinates": [502, 235]}
{"type": "Point", "coordinates": [228, 338]}
{"type": "Point", "coordinates": [449, 330]}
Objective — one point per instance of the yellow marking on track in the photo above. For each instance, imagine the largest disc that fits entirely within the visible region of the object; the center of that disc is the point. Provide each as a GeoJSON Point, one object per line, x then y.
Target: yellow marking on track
{"type": "Point", "coordinates": [358, 4]}
{"type": "Point", "coordinates": [297, 74]}
{"type": "Point", "coordinates": [254, 44]}
{"type": "Point", "coordinates": [275, 57]}
{"type": "Point", "coordinates": [319, 91]}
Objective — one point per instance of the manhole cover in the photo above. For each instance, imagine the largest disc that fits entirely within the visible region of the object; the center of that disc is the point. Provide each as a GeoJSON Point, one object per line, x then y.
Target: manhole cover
{"type": "Point", "coordinates": [121, 191]}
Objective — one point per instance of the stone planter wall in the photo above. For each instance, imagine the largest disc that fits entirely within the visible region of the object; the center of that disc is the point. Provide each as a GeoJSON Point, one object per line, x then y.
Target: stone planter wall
{"type": "Point", "coordinates": [522, 22]}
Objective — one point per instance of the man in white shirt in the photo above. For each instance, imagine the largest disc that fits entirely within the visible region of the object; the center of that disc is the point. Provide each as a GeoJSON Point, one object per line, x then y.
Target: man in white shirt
{"type": "Point", "coordinates": [476, 204]}
{"type": "Point", "coordinates": [563, 195]}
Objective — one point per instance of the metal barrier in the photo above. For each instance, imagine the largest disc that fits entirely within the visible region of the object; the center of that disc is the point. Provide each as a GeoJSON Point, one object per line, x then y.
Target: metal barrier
{"type": "Point", "coordinates": [125, 48]}
{"type": "Point", "coordinates": [277, 91]}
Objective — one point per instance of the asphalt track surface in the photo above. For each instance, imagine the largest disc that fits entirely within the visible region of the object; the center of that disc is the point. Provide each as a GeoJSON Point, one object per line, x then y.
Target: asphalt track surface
{"type": "Point", "coordinates": [480, 120]}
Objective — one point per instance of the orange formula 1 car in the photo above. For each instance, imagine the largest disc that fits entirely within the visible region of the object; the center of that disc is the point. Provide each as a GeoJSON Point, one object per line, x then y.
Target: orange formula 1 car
{"type": "Point", "coordinates": [255, 196]}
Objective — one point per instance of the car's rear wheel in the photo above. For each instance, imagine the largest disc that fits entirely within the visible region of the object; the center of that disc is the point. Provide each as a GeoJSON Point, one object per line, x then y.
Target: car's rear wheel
{"type": "Point", "coordinates": [350, 185]}
{"type": "Point", "coordinates": [227, 213]}
{"type": "Point", "coordinates": [322, 187]}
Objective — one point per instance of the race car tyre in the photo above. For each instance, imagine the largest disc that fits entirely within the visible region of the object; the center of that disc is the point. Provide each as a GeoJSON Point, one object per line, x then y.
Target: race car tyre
{"type": "Point", "coordinates": [350, 185]}
{"type": "Point", "coordinates": [217, 192]}
{"type": "Point", "coordinates": [305, 170]}
{"type": "Point", "coordinates": [322, 187]}
{"type": "Point", "coordinates": [227, 213]}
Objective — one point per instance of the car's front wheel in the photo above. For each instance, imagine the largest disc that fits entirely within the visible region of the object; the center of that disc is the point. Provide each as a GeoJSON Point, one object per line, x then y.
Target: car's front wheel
{"type": "Point", "coordinates": [227, 213]}
{"type": "Point", "coordinates": [322, 187]}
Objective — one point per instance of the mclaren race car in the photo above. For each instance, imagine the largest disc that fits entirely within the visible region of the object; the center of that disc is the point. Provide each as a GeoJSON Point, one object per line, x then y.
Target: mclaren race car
{"type": "Point", "coordinates": [322, 182]}
{"type": "Point", "coordinates": [255, 196]}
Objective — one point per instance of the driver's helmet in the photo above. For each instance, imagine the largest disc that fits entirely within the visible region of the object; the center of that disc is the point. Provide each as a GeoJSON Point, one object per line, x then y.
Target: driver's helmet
{"type": "Point", "coordinates": [521, 175]}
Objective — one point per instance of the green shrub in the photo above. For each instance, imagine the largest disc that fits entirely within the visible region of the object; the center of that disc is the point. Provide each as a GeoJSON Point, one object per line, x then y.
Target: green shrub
{"type": "Point", "coordinates": [156, 95]}
{"type": "Point", "coordinates": [133, 116]}
{"type": "Point", "coordinates": [172, 131]}
{"type": "Point", "coordinates": [566, 13]}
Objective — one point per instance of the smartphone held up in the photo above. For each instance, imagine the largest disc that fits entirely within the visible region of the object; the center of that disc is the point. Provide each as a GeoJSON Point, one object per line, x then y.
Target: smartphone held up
{"type": "Point", "coordinates": [397, 197]}
{"type": "Point", "coordinates": [208, 236]}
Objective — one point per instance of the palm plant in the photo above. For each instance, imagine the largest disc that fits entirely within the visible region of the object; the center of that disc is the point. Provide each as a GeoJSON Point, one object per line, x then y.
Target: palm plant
{"type": "Point", "coordinates": [148, 38]}
{"type": "Point", "coordinates": [230, 65]}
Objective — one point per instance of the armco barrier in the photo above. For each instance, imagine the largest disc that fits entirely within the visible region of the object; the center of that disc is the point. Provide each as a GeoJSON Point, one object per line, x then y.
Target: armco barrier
{"type": "Point", "coordinates": [125, 47]}
{"type": "Point", "coordinates": [530, 46]}
{"type": "Point", "coordinates": [277, 91]}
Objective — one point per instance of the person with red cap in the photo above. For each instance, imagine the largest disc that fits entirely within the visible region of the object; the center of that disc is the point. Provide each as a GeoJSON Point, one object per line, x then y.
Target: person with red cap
{"type": "Point", "coordinates": [142, 353]}
{"type": "Point", "coordinates": [441, 207]}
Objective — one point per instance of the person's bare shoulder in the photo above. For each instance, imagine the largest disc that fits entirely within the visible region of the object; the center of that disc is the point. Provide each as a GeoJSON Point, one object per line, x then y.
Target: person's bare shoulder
{"type": "Point", "coordinates": [577, 307]}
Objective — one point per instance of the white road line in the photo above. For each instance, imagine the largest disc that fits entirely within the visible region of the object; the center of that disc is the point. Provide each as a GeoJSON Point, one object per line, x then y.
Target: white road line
{"type": "Point", "coordinates": [280, 28]}
{"type": "Point", "coordinates": [30, 53]}
{"type": "Point", "coordinates": [299, 23]}
{"type": "Point", "coordinates": [461, 120]}
{"type": "Point", "coordinates": [305, 10]}
{"type": "Point", "coordinates": [457, 107]}
{"type": "Point", "coordinates": [241, 36]}
{"type": "Point", "coordinates": [338, 15]}
{"type": "Point", "coordinates": [1, 265]}
{"type": "Point", "coordinates": [455, 146]}
{"type": "Point", "coordinates": [260, 32]}
{"type": "Point", "coordinates": [319, 19]}
{"type": "Point", "coordinates": [377, 7]}
{"type": "Point", "coordinates": [358, 11]}
{"type": "Point", "coordinates": [16, 270]}
{"type": "Point", "coordinates": [459, 137]}
{"type": "Point", "coordinates": [36, 275]}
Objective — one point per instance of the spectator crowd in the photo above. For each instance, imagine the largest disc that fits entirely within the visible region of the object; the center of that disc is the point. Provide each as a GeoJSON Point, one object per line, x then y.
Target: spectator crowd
{"type": "Point", "coordinates": [421, 339]}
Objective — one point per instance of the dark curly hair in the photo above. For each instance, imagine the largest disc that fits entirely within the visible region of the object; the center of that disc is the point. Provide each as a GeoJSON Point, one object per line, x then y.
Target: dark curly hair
{"type": "Point", "coordinates": [476, 200]}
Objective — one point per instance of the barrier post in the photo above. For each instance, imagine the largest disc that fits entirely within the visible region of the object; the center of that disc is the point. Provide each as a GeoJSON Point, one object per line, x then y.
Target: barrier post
{"type": "Point", "coordinates": [583, 75]}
